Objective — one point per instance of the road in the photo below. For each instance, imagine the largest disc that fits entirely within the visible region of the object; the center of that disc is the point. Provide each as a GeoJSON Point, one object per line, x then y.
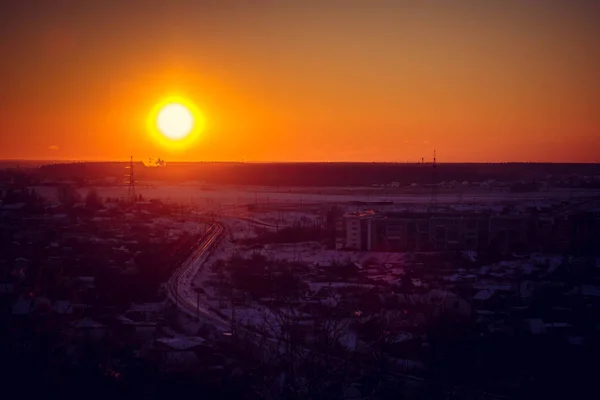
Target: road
{"type": "Point", "coordinates": [180, 286]}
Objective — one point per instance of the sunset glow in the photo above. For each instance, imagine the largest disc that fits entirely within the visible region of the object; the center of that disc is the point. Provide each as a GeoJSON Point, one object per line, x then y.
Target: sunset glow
{"type": "Point", "coordinates": [305, 80]}
{"type": "Point", "coordinates": [175, 123]}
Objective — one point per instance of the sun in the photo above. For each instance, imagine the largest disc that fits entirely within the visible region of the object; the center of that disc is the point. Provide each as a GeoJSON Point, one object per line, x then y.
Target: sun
{"type": "Point", "coordinates": [175, 121]}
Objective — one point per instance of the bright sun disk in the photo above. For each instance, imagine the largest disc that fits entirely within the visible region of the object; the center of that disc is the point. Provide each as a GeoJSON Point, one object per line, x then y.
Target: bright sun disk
{"type": "Point", "coordinates": [175, 121]}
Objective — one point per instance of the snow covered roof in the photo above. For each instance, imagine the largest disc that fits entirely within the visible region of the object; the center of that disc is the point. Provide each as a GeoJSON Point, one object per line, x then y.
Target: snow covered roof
{"type": "Point", "coordinates": [181, 342]}
{"type": "Point", "coordinates": [349, 341]}
{"type": "Point", "coordinates": [42, 301]}
{"type": "Point", "coordinates": [454, 278]}
{"type": "Point", "coordinates": [352, 392]}
{"type": "Point", "coordinates": [163, 220]}
{"type": "Point", "coordinates": [589, 290]}
{"type": "Point", "coordinates": [148, 307]}
{"type": "Point", "coordinates": [180, 359]}
{"type": "Point", "coordinates": [537, 326]}
{"type": "Point", "coordinates": [575, 340]}
{"type": "Point", "coordinates": [470, 255]}
{"type": "Point", "coordinates": [557, 325]}
{"type": "Point", "coordinates": [87, 323]}
{"type": "Point", "coordinates": [484, 294]}
{"type": "Point", "coordinates": [22, 306]}
{"type": "Point", "coordinates": [408, 364]}
{"type": "Point", "coordinates": [62, 307]}
{"type": "Point", "coordinates": [6, 288]}
{"type": "Point", "coordinates": [491, 286]}
{"type": "Point", "coordinates": [123, 319]}
{"type": "Point", "coordinates": [401, 337]}
{"type": "Point", "coordinates": [12, 207]}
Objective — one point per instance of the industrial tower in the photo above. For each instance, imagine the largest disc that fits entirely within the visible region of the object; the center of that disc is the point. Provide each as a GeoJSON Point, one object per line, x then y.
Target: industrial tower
{"type": "Point", "coordinates": [130, 180]}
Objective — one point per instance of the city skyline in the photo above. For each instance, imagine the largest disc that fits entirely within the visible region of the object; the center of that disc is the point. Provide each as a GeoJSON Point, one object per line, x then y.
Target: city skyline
{"type": "Point", "coordinates": [303, 81]}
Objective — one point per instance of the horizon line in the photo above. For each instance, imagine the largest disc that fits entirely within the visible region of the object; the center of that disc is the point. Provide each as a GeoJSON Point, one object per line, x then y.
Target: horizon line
{"type": "Point", "coordinates": [73, 161]}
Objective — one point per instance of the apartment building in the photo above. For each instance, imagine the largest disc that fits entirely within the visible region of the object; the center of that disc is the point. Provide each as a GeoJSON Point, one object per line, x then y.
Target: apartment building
{"type": "Point", "coordinates": [368, 230]}
{"type": "Point", "coordinates": [360, 232]}
{"type": "Point", "coordinates": [404, 231]}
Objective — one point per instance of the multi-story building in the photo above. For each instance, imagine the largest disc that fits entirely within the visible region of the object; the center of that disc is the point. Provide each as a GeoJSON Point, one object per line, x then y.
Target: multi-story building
{"type": "Point", "coordinates": [577, 228]}
{"type": "Point", "coordinates": [579, 232]}
{"type": "Point", "coordinates": [513, 232]}
{"type": "Point", "coordinates": [333, 229]}
{"type": "Point", "coordinates": [404, 231]}
{"type": "Point", "coordinates": [458, 231]}
{"type": "Point", "coordinates": [360, 233]}
{"type": "Point", "coordinates": [368, 230]}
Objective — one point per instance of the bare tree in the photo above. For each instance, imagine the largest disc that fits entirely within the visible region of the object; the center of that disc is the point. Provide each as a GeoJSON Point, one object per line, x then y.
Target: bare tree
{"type": "Point", "coordinates": [300, 343]}
{"type": "Point", "coordinates": [92, 199]}
{"type": "Point", "coordinates": [309, 348]}
{"type": "Point", "coordinates": [68, 196]}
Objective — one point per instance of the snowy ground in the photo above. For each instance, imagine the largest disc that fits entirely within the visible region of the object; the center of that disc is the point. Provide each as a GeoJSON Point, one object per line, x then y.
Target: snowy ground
{"type": "Point", "coordinates": [375, 269]}
{"type": "Point", "coordinates": [388, 270]}
{"type": "Point", "coordinates": [287, 218]}
{"type": "Point", "coordinates": [238, 229]}
{"type": "Point", "coordinates": [221, 197]}
{"type": "Point", "coordinates": [175, 228]}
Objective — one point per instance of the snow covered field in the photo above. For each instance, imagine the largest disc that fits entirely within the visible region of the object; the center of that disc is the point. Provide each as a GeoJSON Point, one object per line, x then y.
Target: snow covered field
{"type": "Point", "coordinates": [220, 197]}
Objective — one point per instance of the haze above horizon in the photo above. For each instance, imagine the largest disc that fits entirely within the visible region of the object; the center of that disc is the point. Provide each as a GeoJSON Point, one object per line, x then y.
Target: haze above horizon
{"type": "Point", "coordinates": [370, 81]}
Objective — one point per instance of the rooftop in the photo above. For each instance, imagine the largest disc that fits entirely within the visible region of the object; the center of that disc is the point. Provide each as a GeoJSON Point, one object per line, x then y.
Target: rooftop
{"type": "Point", "coordinates": [181, 342]}
{"type": "Point", "coordinates": [87, 323]}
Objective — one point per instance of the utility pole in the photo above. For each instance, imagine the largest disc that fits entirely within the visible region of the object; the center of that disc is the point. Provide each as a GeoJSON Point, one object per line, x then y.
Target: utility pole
{"type": "Point", "coordinates": [232, 305]}
{"type": "Point", "coordinates": [131, 181]}
{"type": "Point", "coordinates": [197, 304]}
{"type": "Point", "coordinates": [434, 188]}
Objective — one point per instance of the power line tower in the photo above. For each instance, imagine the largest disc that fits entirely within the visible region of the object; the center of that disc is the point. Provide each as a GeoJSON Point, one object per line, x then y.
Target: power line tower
{"type": "Point", "coordinates": [434, 188]}
{"type": "Point", "coordinates": [130, 180]}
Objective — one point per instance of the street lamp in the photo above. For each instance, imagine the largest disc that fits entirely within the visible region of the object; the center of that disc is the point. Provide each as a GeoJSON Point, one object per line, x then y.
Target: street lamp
{"type": "Point", "coordinates": [198, 290]}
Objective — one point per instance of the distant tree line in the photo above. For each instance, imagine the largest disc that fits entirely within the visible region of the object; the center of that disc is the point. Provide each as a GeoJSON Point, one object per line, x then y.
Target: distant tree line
{"type": "Point", "coordinates": [316, 174]}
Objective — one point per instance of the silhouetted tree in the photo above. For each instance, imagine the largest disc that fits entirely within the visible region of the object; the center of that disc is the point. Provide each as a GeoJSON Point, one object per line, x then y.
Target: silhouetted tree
{"type": "Point", "coordinates": [68, 196]}
{"type": "Point", "coordinates": [92, 199]}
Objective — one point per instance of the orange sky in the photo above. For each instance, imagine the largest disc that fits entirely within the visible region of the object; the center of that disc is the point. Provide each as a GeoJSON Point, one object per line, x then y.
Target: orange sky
{"type": "Point", "coordinates": [304, 80]}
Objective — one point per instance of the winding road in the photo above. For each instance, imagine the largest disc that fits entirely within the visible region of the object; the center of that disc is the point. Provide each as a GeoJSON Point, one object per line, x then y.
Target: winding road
{"type": "Point", "coordinates": [182, 294]}
{"type": "Point", "coordinates": [180, 286]}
